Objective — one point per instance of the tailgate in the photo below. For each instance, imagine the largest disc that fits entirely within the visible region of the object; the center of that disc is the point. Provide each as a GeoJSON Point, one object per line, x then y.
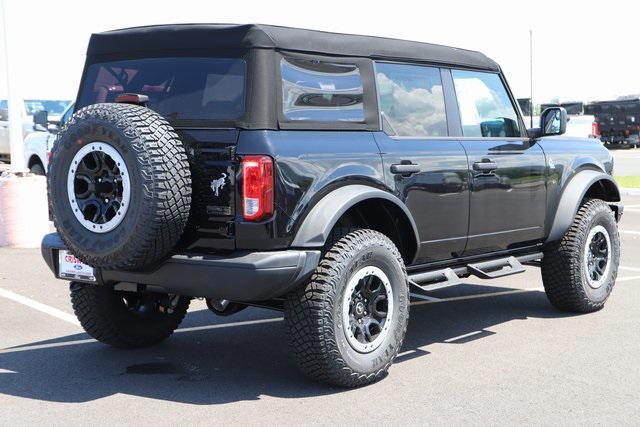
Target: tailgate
{"type": "Point", "coordinates": [212, 158]}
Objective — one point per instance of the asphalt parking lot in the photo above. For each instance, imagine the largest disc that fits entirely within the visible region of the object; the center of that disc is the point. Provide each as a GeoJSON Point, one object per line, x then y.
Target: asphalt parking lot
{"type": "Point", "coordinates": [492, 351]}
{"type": "Point", "coordinates": [626, 161]}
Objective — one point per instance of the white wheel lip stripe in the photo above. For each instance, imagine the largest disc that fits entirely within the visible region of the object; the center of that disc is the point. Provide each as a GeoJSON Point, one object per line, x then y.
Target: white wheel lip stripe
{"type": "Point", "coordinates": [351, 285]}
{"type": "Point", "coordinates": [126, 187]}
{"type": "Point", "coordinates": [596, 284]}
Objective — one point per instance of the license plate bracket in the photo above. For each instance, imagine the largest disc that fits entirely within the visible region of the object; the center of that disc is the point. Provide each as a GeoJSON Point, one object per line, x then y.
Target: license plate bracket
{"type": "Point", "coordinates": [71, 268]}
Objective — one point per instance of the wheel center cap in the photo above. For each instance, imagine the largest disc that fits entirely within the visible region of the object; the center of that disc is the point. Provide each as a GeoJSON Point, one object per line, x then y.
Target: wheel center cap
{"type": "Point", "coordinates": [359, 309]}
{"type": "Point", "coordinates": [105, 186]}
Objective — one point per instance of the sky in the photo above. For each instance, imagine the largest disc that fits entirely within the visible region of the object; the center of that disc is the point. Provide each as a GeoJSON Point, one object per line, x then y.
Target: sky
{"type": "Point", "coordinates": [582, 50]}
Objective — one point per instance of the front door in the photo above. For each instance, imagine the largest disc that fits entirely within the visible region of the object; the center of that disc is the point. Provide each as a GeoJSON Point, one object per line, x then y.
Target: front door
{"type": "Point", "coordinates": [425, 167]}
{"type": "Point", "coordinates": [507, 169]}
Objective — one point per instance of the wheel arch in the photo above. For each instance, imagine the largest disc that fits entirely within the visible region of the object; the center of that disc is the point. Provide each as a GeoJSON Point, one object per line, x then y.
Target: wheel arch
{"type": "Point", "coordinates": [366, 206]}
{"type": "Point", "coordinates": [33, 160]}
{"type": "Point", "coordinates": [587, 183]}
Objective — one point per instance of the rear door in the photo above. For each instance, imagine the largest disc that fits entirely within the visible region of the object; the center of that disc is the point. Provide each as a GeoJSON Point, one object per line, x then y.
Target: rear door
{"type": "Point", "coordinates": [507, 169]}
{"type": "Point", "coordinates": [424, 165]}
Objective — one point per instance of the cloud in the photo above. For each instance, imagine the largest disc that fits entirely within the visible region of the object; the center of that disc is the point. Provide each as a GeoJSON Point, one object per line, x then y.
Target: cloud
{"type": "Point", "coordinates": [413, 112]}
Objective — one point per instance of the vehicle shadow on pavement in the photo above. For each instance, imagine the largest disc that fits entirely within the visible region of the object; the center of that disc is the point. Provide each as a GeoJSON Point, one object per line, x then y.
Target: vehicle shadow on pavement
{"type": "Point", "coordinates": [231, 363]}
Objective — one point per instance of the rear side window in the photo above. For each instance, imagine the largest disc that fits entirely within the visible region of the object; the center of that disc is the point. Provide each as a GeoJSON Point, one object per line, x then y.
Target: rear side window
{"type": "Point", "coordinates": [485, 107]}
{"type": "Point", "coordinates": [319, 91]}
{"type": "Point", "coordinates": [178, 88]}
{"type": "Point", "coordinates": [411, 100]}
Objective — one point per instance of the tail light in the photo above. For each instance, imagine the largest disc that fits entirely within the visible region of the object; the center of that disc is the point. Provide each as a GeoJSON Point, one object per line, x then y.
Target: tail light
{"type": "Point", "coordinates": [595, 129]}
{"type": "Point", "coordinates": [257, 187]}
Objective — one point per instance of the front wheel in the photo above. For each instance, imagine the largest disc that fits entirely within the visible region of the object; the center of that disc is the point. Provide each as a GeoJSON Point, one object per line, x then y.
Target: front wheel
{"type": "Point", "coordinates": [127, 319]}
{"type": "Point", "coordinates": [347, 324]}
{"type": "Point", "coordinates": [580, 270]}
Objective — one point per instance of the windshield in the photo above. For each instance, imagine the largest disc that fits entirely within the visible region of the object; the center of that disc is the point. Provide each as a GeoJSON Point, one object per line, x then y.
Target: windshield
{"type": "Point", "coordinates": [182, 88]}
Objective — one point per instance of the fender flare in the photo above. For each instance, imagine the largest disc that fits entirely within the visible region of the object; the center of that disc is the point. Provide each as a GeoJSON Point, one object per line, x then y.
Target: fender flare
{"type": "Point", "coordinates": [317, 225]}
{"type": "Point", "coordinates": [570, 200]}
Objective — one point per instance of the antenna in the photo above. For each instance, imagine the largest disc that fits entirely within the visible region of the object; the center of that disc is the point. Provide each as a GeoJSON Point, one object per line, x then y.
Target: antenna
{"type": "Point", "coordinates": [531, 76]}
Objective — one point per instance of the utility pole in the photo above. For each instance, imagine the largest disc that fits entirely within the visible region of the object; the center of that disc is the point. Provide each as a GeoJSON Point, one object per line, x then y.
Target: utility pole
{"type": "Point", "coordinates": [15, 101]}
{"type": "Point", "coordinates": [531, 76]}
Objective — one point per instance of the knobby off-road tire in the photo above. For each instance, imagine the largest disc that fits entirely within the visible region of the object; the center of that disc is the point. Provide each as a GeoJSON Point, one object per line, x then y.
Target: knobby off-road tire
{"type": "Point", "coordinates": [126, 319]}
{"type": "Point", "coordinates": [159, 182]}
{"type": "Point", "coordinates": [565, 266]}
{"type": "Point", "coordinates": [314, 313]}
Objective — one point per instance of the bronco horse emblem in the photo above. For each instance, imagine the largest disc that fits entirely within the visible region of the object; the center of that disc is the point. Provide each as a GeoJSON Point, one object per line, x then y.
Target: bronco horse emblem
{"type": "Point", "coordinates": [218, 184]}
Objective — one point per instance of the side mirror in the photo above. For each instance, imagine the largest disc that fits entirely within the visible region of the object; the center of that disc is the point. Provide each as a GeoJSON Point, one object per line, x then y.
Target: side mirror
{"type": "Point", "coordinates": [553, 121]}
{"type": "Point", "coordinates": [41, 120]}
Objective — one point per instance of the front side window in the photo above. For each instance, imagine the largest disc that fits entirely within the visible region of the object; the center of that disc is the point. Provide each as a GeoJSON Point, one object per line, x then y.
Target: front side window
{"type": "Point", "coordinates": [411, 100]}
{"type": "Point", "coordinates": [485, 107]}
{"type": "Point", "coordinates": [181, 88]}
{"type": "Point", "coordinates": [319, 91]}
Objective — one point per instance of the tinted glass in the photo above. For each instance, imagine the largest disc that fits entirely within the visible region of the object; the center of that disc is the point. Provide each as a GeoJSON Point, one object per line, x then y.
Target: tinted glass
{"type": "Point", "coordinates": [67, 115]}
{"type": "Point", "coordinates": [411, 100]}
{"type": "Point", "coordinates": [53, 107]}
{"type": "Point", "coordinates": [485, 107]}
{"type": "Point", "coordinates": [178, 88]}
{"type": "Point", "coordinates": [321, 91]}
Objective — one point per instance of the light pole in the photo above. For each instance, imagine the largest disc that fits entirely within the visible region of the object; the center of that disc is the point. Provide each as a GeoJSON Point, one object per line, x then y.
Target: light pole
{"type": "Point", "coordinates": [531, 76]}
{"type": "Point", "coordinates": [15, 101]}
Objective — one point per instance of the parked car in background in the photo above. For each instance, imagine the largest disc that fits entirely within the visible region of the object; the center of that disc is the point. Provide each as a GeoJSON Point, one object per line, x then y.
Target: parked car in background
{"type": "Point", "coordinates": [54, 108]}
{"type": "Point", "coordinates": [37, 145]}
{"type": "Point", "coordinates": [577, 125]}
{"type": "Point", "coordinates": [616, 122]}
{"type": "Point", "coordinates": [581, 126]}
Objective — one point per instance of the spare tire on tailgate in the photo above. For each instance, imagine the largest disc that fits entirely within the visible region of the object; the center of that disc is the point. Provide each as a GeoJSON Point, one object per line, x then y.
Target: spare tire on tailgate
{"type": "Point", "coordinates": [119, 186]}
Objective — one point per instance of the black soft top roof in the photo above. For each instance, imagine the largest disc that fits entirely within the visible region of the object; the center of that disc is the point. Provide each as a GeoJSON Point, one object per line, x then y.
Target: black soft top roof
{"type": "Point", "coordinates": [231, 36]}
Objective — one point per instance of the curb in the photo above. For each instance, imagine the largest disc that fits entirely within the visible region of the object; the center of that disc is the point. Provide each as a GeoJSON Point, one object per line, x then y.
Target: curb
{"type": "Point", "coordinates": [629, 191]}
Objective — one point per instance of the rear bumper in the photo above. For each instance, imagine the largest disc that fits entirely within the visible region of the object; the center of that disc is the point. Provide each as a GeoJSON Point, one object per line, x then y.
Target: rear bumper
{"type": "Point", "coordinates": [236, 276]}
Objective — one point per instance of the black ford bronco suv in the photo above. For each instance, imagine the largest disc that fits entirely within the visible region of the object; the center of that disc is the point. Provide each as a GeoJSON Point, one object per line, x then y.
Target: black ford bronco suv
{"type": "Point", "coordinates": [330, 176]}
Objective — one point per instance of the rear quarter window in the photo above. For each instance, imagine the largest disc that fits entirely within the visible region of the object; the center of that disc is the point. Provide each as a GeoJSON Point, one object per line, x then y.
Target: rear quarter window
{"type": "Point", "coordinates": [317, 91]}
{"type": "Point", "coordinates": [181, 88]}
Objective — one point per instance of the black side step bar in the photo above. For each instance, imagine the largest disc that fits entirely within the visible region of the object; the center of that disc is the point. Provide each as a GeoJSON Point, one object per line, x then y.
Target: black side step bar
{"type": "Point", "coordinates": [438, 279]}
{"type": "Point", "coordinates": [493, 269]}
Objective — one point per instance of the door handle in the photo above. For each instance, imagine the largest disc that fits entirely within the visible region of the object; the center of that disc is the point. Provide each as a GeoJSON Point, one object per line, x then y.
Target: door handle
{"type": "Point", "coordinates": [405, 168]}
{"type": "Point", "coordinates": [485, 166]}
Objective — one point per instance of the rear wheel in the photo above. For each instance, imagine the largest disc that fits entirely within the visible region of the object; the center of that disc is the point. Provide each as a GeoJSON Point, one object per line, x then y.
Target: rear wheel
{"type": "Point", "coordinates": [347, 324]}
{"type": "Point", "coordinates": [37, 169]}
{"type": "Point", "coordinates": [580, 270]}
{"type": "Point", "coordinates": [127, 319]}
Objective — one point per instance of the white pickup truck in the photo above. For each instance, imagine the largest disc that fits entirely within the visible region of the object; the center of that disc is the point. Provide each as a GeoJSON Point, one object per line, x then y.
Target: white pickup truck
{"type": "Point", "coordinates": [55, 109]}
{"type": "Point", "coordinates": [38, 144]}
